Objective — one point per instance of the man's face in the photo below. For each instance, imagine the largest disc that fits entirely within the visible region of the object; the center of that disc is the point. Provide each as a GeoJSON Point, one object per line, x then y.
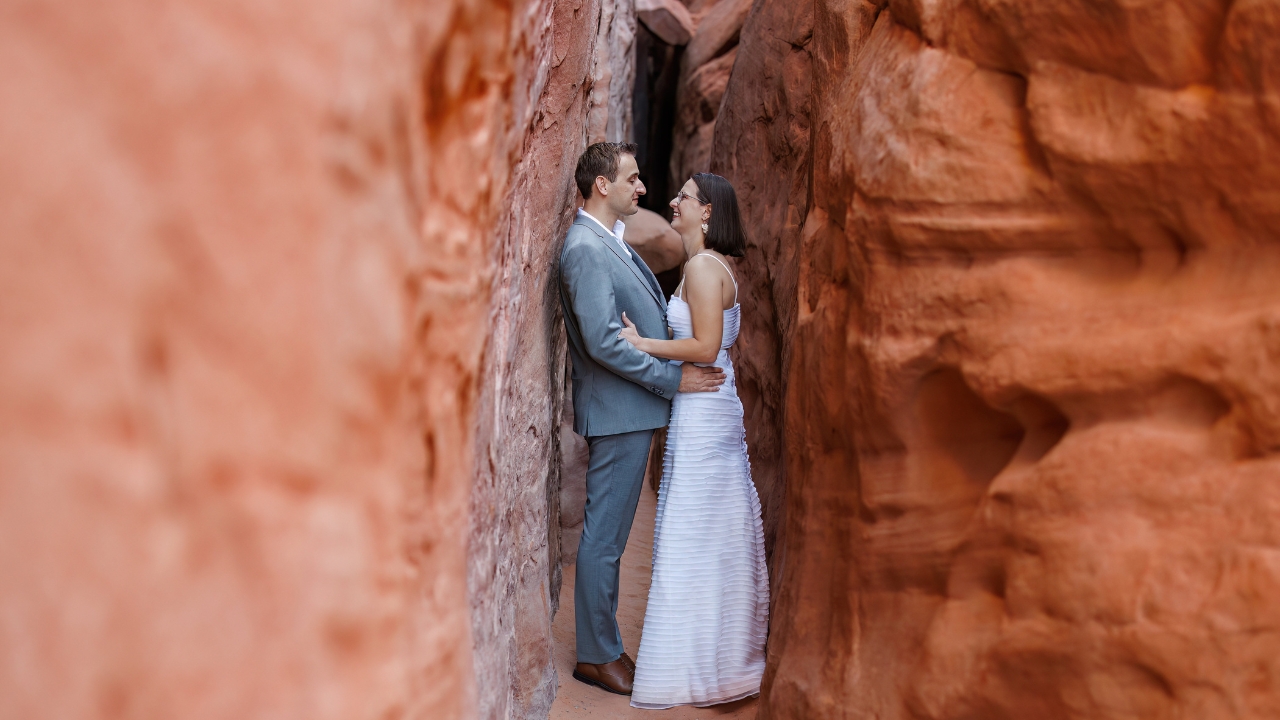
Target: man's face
{"type": "Point", "coordinates": [624, 193]}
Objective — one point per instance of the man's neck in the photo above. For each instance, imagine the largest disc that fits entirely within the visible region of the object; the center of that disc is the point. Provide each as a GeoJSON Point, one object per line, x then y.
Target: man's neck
{"type": "Point", "coordinates": [601, 212]}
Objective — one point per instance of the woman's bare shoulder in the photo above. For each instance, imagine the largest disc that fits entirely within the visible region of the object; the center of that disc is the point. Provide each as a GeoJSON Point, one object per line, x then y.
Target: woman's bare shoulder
{"type": "Point", "coordinates": [708, 267]}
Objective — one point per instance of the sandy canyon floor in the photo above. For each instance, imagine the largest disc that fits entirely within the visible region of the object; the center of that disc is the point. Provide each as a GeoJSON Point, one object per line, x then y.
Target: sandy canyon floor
{"type": "Point", "coordinates": [578, 700]}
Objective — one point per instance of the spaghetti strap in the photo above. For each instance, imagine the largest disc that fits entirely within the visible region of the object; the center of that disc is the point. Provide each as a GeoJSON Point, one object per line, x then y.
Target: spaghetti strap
{"type": "Point", "coordinates": [726, 269]}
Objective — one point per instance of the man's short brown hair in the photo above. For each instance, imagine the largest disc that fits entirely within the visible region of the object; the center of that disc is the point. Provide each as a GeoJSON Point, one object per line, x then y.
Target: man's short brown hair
{"type": "Point", "coordinates": [600, 159]}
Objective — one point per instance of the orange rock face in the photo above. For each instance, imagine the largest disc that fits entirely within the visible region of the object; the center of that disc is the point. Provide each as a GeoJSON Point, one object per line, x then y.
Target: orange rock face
{"type": "Point", "coordinates": [704, 73]}
{"type": "Point", "coordinates": [1015, 351]}
{"type": "Point", "coordinates": [763, 147]}
{"type": "Point", "coordinates": [271, 306]}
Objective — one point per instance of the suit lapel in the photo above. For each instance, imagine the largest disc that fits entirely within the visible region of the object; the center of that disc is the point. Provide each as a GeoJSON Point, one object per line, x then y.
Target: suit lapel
{"type": "Point", "coordinates": [649, 277]}
{"type": "Point", "coordinates": [633, 267]}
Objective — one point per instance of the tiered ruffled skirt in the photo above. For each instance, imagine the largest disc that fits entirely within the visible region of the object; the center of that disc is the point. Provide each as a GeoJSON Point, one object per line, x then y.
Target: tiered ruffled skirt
{"type": "Point", "coordinates": [708, 611]}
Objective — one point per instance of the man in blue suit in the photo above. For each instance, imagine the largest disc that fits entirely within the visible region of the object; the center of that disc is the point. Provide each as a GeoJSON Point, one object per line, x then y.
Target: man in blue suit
{"type": "Point", "coordinates": [620, 395]}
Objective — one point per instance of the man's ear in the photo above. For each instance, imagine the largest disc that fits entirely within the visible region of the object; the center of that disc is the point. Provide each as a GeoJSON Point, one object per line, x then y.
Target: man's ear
{"type": "Point", "coordinates": [602, 184]}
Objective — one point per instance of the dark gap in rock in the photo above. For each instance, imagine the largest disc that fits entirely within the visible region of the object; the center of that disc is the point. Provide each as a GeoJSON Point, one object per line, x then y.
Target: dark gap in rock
{"type": "Point", "coordinates": [653, 116]}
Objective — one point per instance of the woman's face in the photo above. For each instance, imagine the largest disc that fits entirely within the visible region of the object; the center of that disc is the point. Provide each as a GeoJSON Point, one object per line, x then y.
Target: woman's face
{"type": "Point", "coordinates": [687, 213]}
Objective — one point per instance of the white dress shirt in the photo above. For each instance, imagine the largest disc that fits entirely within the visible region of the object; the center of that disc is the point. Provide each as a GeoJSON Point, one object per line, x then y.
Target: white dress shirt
{"type": "Point", "coordinates": [618, 229]}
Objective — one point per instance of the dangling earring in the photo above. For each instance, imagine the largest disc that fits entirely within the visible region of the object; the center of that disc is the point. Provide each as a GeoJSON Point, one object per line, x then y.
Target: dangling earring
{"type": "Point", "coordinates": [705, 228]}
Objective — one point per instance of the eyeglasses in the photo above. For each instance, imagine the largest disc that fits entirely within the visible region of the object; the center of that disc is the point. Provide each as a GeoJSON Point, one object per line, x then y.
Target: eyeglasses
{"type": "Point", "coordinates": [680, 197]}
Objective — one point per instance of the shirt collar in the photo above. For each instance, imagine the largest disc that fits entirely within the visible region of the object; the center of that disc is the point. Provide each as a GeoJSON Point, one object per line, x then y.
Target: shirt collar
{"type": "Point", "coordinates": [618, 227]}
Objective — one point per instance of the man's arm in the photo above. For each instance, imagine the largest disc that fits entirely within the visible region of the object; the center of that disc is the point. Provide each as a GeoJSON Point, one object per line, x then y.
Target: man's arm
{"type": "Point", "coordinates": [704, 283]}
{"type": "Point", "coordinates": [584, 271]}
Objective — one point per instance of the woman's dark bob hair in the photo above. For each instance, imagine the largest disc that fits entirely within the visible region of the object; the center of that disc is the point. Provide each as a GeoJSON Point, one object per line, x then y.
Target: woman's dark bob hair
{"type": "Point", "coordinates": [724, 229]}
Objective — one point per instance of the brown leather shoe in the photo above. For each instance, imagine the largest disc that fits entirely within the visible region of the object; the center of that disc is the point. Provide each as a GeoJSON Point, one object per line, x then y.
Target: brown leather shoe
{"type": "Point", "coordinates": [614, 676]}
{"type": "Point", "coordinates": [631, 664]}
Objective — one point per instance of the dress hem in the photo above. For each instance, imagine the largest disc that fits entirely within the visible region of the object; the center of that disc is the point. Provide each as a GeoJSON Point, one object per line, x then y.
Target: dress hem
{"type": "Point", "coordinates": [695, 703]}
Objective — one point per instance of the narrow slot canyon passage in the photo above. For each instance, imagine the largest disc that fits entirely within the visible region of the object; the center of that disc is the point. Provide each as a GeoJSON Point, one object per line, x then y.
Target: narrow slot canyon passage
{"type": "Point", "coordinates": [285, 407]}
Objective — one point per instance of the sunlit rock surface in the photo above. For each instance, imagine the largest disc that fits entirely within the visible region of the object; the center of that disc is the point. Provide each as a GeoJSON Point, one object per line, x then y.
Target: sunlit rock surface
{"type": "Point", "coordinates": [1018, 308]}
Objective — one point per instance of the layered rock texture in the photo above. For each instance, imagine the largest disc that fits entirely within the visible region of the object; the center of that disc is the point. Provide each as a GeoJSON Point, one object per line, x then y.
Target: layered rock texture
{"type": "Point", "coordinates": [704, 73]}
{"type": "Point", "coordinates": [282, 363]}
{"type": "Point", "coordinates": [573, 87]}
{"type": "Point", "coordinates": [1013, 340]}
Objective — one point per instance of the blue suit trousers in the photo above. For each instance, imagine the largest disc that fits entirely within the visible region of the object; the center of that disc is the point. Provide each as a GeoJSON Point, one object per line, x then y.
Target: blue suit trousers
{"type": "Point", "coordinates": [615, 477]}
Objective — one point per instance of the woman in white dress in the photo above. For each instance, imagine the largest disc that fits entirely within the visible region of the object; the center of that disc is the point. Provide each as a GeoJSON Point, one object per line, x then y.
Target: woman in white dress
{"type": "Point", "coordinates": [708, 612]}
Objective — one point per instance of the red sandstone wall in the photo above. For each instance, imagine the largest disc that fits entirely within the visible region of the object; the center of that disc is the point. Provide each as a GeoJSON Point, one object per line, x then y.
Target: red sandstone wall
{"type": "Point", "coordinates": [763, 147]}
{"type": "Point", "coordinates": [577, 77]}
{"type": "Point", "coordinates": [250, 257]}
{"type": "Point", "coordinates": [705, 66]}
{"type": "Point", "coordinates": [1026, 354]}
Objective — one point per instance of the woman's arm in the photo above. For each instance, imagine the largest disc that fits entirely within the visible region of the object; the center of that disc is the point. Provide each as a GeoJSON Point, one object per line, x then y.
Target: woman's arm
{"type": "Point", "coordinates": [703, 291]}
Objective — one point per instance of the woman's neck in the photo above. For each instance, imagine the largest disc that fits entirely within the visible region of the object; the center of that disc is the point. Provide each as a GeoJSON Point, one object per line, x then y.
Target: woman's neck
{"type": "Point", "coordinates": [694, 247]}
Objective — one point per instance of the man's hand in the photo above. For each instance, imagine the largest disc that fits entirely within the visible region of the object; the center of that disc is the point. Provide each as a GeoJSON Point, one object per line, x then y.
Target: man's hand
{"type": "Point", "coordinates": [700, 379]}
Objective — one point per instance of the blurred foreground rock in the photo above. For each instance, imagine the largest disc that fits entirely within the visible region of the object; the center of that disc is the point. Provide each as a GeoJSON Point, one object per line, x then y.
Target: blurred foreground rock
{"type": "Point", "coordinates": [281, 341]}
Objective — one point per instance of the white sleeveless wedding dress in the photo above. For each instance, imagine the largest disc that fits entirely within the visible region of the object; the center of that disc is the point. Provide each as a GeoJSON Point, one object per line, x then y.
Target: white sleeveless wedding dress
{"type": "Point", "coordinates": [708, 612]}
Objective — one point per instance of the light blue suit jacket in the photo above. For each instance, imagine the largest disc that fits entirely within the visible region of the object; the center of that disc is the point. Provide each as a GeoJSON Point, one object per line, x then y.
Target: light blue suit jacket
{"type": "Point", "coordinates": [616, 388]}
